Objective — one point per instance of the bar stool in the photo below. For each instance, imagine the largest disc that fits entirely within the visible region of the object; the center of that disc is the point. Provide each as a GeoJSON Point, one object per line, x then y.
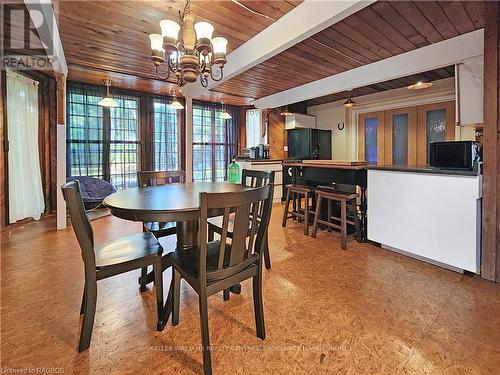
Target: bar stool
{"type": "Point", "coordinates": [347, 201]}
{"type": "Point", "coordinates": [298, 191]}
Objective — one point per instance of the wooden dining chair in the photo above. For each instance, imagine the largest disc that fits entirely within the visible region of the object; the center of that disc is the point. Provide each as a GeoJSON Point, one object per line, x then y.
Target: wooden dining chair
{"type": "Point", "coordinates": [215, 266]}
{"type": "Point", "coordinates": [109, 259]}
{"type": "Point", "coordinates": [158, 229]}
{"type": "Point", "coordinates": [249, 178]}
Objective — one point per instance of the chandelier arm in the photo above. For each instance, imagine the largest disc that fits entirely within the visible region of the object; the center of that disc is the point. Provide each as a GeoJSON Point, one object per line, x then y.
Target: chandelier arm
{"type": "Point", "coordinates": [217, 77]}
{"type": "Point", "coordinates": [203, 80]}
{"type": "Point", "coordinates": [157, 71]}
{"type": "Point", "coordinates": [171, 68]}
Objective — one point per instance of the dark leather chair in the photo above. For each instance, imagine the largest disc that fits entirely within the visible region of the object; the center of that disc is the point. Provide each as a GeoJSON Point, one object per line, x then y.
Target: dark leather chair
{"type": "Point", "coordinates": [215, 266]}
{"type": "Point", "coordinates": [109, 259]}
{"type": "Point", "coordinates": [158, 229]}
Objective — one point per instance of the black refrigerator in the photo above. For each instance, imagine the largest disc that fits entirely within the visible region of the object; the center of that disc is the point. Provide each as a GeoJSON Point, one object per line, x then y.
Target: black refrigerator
{"type": "Point", "coordinates": [309, 144]}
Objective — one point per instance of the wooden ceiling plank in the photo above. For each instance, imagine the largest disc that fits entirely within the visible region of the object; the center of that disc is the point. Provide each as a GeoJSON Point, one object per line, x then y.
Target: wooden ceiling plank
{"type": "Point", "coordinates": [302, 22]}
{"type": "Point", "coordinates": [354, 56]}
{"type": "Point", "coordinates": [361, 39]}
{"type": "Point", "coordinates": [376, 36]}
{"type": "Point", "coordinates": [456, 12]}
{"type": "Point", "coordinates": [389, 14]}
{"type": "Point", "coordinates": [370, 17]}
{"type": "Point", "coordinates": [348, 43]}
{"type": "Point", "coordinates": [409, 11]}
{"type": "Point", "coordinates": [433, 12]}
{"type": "Point", "coordinates": [475, 9]}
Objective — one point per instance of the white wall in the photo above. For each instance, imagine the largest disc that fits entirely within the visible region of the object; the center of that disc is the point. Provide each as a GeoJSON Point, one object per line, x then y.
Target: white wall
{"type": "Point", "coordinates": [327, 117]}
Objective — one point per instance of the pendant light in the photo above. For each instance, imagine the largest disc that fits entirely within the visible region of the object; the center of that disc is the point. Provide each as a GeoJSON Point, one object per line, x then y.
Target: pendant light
{"type": "Point", "coordinates": [349, 103]}
{"type": "Point", "coordinates": [420, 84]}
{"type": "Point", "coordinates": [175, 103]}
{"type": "Point", "coordinates": [225, 114]}
{"type": "Point", "coordinates": [108, 100]}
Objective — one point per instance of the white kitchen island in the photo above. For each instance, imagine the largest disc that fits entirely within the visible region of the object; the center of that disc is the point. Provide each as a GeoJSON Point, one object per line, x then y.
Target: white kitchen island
{"type": "Point", "coordinates": [429, 214]}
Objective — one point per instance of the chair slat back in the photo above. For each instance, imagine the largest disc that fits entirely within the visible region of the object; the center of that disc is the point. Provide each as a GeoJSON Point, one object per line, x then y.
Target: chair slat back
{"type": "Point", "coordinates": [80, 221]}
{"type": "Point", "coordinates": [155, 178]}
{"type": "Point", "coordinates": [251, 178]}
{"type": "Point", "coordinates": [241, 206]}
{"type": "Point", "coordinates": [256, 179]}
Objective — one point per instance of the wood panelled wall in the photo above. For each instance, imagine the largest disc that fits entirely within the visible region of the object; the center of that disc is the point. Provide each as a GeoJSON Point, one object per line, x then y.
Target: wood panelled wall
{"type": "Point", "coordinates": [277, 136]}
{"type": "Point", "coordinates": [47, 133]}
{"type": "Point", "coordinates": [3, 125]}
{"type": "Point", "coordinates": [490, 260]}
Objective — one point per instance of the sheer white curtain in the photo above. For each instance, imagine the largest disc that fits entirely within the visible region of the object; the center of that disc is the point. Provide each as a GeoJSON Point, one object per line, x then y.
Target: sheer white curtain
{"type": "Point", "coordinates": [253, 127]}
{"type": "Point", "coordinates": [25, 182]}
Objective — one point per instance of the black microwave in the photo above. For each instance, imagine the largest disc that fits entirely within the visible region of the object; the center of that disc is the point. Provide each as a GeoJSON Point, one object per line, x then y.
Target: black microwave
{"type": "Point", "coordinates": [454, 154]}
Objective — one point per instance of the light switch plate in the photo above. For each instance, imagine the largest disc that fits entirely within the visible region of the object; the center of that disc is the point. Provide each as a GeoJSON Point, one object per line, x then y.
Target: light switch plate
{"type": "Point", "coordinates": [285, 148]}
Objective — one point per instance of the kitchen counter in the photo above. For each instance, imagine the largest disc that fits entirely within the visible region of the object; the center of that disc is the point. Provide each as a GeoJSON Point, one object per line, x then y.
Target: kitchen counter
{"type": "Point", "coordinates": [259, 160]}
{"type": "Point", "coordinates": [425, 169]}
{"type": "Point", "coordinates": [432, 215]}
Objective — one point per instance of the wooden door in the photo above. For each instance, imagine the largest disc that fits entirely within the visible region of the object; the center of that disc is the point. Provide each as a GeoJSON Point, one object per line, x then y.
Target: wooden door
{"type": "Point", "coordinates": [400, 146]}
{"type": "Point", "coordinates": [436, 123]}
{"type": "Point", "coordinates": [371, 133]}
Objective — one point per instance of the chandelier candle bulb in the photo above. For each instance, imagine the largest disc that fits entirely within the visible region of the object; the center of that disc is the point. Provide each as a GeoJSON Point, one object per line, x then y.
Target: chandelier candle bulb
{"type": "Point", "coordinates": [192, 53]}
{"type": "Point", "coordinates": [157, 51]}
{"type": "Point", "coordinates": [219, 45]}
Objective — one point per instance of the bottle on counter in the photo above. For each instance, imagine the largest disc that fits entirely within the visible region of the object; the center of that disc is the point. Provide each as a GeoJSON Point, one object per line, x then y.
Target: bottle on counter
{"type": "Point", "coordinates": [233, 172]}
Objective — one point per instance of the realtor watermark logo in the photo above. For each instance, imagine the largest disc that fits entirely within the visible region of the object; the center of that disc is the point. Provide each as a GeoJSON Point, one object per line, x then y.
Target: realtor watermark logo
{"type": "Point", "coordinates": [27, 34]}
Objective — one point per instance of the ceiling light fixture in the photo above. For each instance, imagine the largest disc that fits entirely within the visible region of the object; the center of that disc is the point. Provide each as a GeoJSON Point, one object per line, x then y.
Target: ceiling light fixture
{"type": "Point", "coordinates": [175, 104]}
{"type": "Point", "coordinates": [420, 84]}
{"type": "Point", "coordinates": [108, 100]}
{"type": "Point", "coordinates": [195, 54]}
{"type": "Point", "coordinates": [225, 114]}
{"type": "Point", "coordinates": [349, 103]}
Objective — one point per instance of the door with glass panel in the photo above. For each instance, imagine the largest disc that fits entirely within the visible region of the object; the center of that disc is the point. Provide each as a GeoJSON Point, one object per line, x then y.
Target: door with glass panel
{"type": "Point", "coordinates": [436, 123]}
{"type": "Point", "coordinates": [400, 141]}
{"type": "Point", "coordinates": [371, 135]}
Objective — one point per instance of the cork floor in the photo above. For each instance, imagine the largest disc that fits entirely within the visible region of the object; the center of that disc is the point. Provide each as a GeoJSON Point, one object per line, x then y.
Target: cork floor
{"type": "Point", "coordinates": [327, 311]}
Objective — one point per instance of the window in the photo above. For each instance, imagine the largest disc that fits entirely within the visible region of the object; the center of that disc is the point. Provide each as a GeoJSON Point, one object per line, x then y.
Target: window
{"type": "Point", "coordinates": [253, 128]}
{"type": "Point", "coordinates": [214, 141]}
{"type": "Point", "coordinates": [166, 137]}
{"type": "Point", "coordinates": [85, 132]}
{"type": "Point", "coordinates": [102, 143]}
{"type": "Point", "coordinates": [124, 145]}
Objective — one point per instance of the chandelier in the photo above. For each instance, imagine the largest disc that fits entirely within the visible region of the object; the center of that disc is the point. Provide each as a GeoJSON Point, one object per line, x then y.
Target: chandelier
{"type": "Point", "coordinates": [195, 54]}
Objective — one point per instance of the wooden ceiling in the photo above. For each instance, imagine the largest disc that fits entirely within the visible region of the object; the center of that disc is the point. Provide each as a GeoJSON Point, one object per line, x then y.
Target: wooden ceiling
{"type": "Point", "coordinates": [109, 39]}
{"type": "Point", "coordinates": [432, 75]}
{"type": "Point", "coordinates": [379, 31]}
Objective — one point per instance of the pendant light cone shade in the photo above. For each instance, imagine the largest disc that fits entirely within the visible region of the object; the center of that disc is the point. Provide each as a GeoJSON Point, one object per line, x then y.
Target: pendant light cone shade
{"type": "Point", "coordinates": [349, 103]}
{"type": "Point", "coordinates": [203, 30]}
{"type": "Point", "coordinates": [170, 29]}
{"type": "Point", "coordinates": [156, 42]}
{"type": "Point", "coordinates": [421, 84]}
{"type": "Point", "coordinates": [176, 104]}
{"type": "Point", "coordinates": [226, 116]}
{"type": "Point", "coordinates": [108, 100]}
{"type": "Point", "coordinates": [219, 44]}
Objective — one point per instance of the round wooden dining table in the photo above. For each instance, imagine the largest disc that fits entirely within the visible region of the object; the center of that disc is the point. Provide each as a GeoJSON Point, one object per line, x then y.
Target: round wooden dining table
{"type": "Point", "coordinates": [177, 203]}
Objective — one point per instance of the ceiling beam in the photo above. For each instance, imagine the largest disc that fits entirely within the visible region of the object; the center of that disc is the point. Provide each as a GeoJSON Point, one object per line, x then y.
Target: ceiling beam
{"type": "Point", "coordinates": [44, 19]}
{"type": "Point", "coordinates": [302, 22]}
{"type": "Point", "coordinates": [434, 56]}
